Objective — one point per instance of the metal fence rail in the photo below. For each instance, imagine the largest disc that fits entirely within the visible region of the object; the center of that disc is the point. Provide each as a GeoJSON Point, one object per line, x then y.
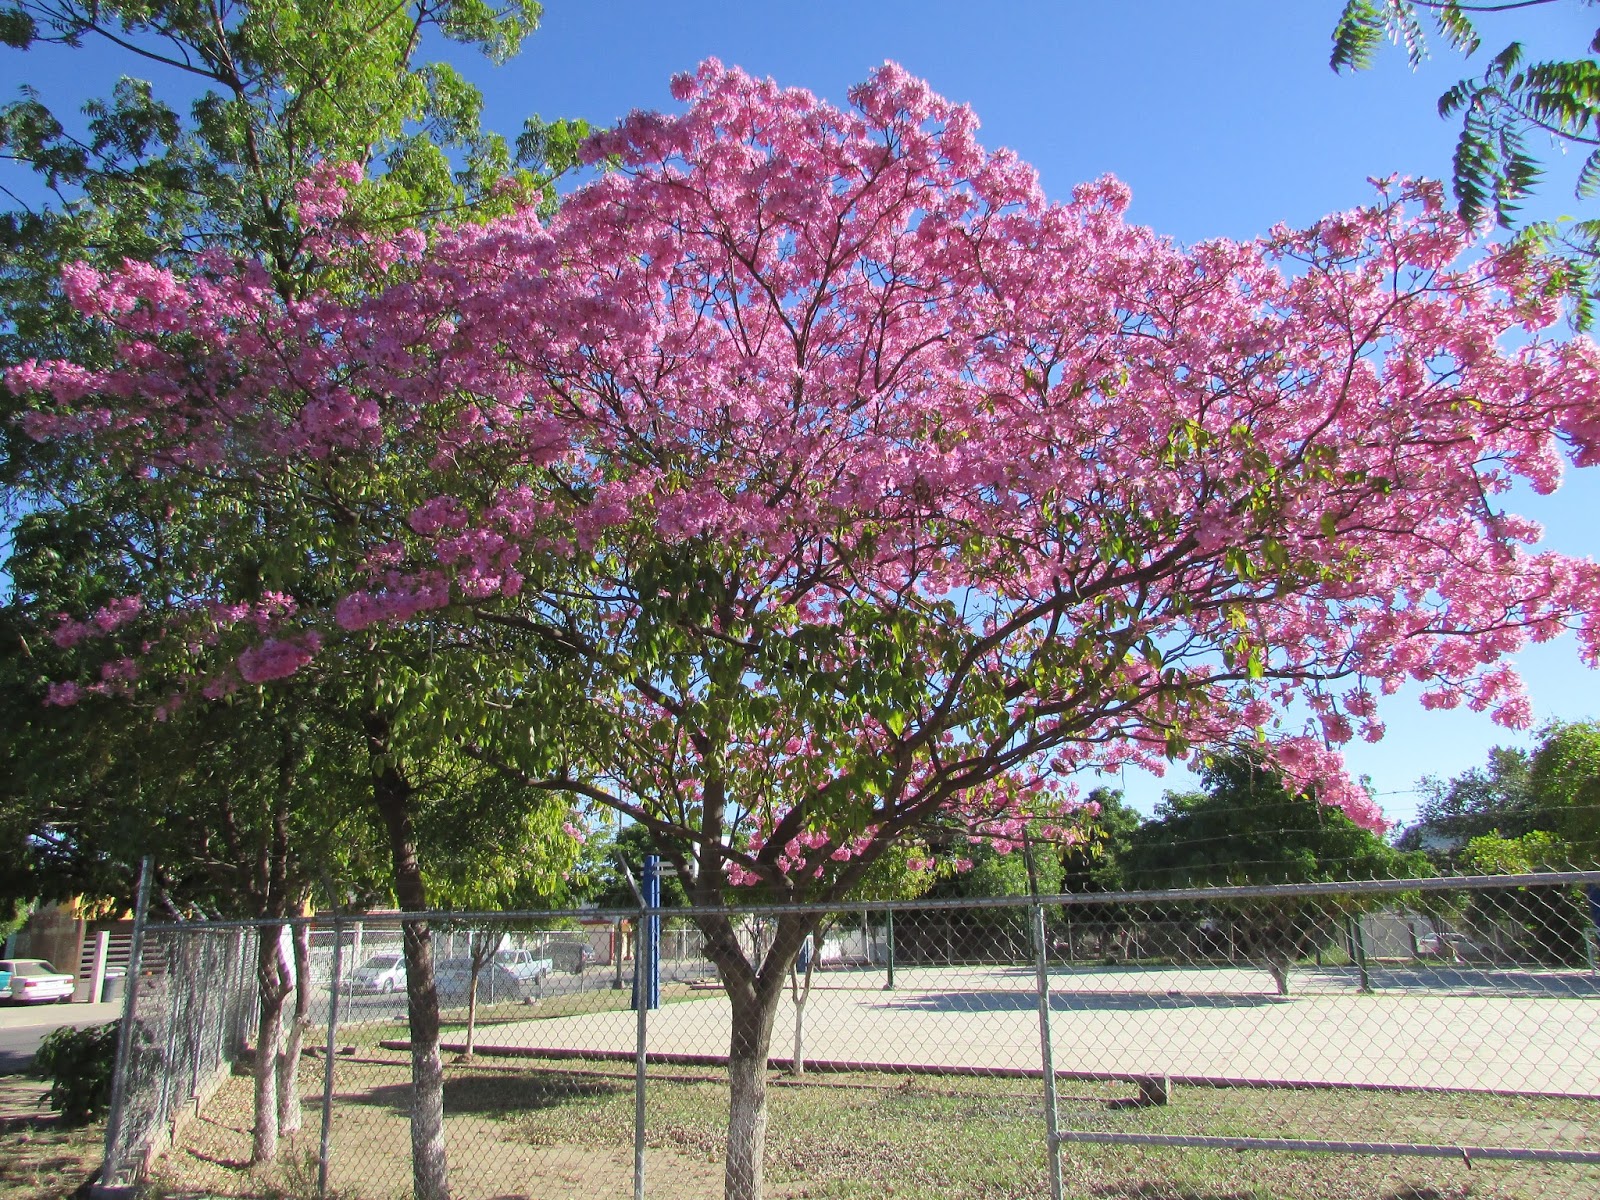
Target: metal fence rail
{"type": "Point", "coordinates": [1390, 1039]}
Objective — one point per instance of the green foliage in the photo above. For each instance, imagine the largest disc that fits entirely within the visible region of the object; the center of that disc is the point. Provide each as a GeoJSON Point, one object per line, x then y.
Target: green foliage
{"type": "Point", "coordinates": [1513, 100]}
{"type": "Point", "coordinates": [79, 1063]}
{"type": "Point", "coordinates": [1565, 787]}
{"type": "Point", "coordinates": [14, 913]}
{"type": "Point", "coordinates": [605, 883]}
{"type": "Point", "coordinates": [1491, 854]}
{"type": "Point", "coordinates": [1547, 923]}
{"type": "Point", "coordinates": [1244, 828]}
{"type": "Point", "coordinates": [997, 874]}
{"type": "Point", "coordinates": [1095, 862]}
{"type": "Point", "coordinates": [246, 100]}
{"type": "Point", "coordinates": [1495, 799]}
{"type": "Point", "coordinates": [1540, 808]}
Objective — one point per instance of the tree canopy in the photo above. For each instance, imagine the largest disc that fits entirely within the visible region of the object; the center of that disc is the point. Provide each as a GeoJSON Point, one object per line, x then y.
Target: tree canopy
{"type": "Point", "coordinates": [810, 479]}
{"type": "Point", "coordinates": [1534, 807]}
{"type": "Point", "coordinates": [1245, 828]}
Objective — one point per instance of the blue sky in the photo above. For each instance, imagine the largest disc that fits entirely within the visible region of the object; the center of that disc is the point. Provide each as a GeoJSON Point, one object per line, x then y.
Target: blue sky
{"type": "Point", "coordinates": [1223, 118]}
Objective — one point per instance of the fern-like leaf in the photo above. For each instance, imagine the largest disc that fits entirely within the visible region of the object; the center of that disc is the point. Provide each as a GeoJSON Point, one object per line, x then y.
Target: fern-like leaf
{"type": "Point", "coordinates": [1357, 36]}
{"type": "Point", "coordinates": [1457, 28]}
{"type": "Point", "coordinates": [1407, 30]}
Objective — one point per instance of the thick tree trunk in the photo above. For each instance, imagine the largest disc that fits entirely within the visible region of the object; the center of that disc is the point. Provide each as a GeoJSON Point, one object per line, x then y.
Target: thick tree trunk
{"type": "Point", "coordinates": [272, 988]}
{"type": "Point", "coordinates": [430, 1170]}
{"type": "Point", "coordinates": [289, 1060]}
{"type": "Point", "coordinates": [753, 1014]}
{"type": "Point", "coordinates": [392, 793]}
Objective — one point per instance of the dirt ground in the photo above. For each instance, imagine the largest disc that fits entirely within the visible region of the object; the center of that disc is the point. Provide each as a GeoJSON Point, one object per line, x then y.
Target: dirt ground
{"type": "Point", "coordinates": [40, 1160]}
{"type": "Point", "coordinates": [490, 1155]}
{"type": "Point", "coordinates": [562, 1130]}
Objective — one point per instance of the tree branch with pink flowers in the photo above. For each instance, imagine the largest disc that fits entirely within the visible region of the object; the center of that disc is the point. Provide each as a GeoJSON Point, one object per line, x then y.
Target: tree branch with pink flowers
{"type": "Point", "coordinates": [810, 481]}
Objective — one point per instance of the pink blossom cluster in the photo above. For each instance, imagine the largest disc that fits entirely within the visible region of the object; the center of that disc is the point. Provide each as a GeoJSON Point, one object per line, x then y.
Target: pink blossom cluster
{"type": "Point", "coordinates": [399, 598]}
{"type": "Point", "coordinates": [278, 658]}
{"type": "Point", "coordinates": [101, 622]}
{"type": "Point", "coordinates": [1152, 497]}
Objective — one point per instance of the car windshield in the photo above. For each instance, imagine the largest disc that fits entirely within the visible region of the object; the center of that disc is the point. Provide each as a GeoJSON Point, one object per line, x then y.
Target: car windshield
{"type": "Point", "coordinates": [33, 967]}
{"type": "Point", "coordinates": [381, 962]}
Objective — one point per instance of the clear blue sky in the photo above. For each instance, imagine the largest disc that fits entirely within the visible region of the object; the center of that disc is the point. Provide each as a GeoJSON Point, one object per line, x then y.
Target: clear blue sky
{"type": "Point", "coordinates": [1223, 118]}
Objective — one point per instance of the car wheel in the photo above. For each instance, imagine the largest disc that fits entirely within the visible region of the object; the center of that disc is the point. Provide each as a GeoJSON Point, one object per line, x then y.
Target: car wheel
{"type": "Point", "coordinates": [67, 999]}
{"type": "Point", "coordinates": [388, 986]}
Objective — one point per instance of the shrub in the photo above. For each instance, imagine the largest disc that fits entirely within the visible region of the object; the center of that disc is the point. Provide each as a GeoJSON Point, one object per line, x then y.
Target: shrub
{"type": "Point", "coordinates": [79, 1064]}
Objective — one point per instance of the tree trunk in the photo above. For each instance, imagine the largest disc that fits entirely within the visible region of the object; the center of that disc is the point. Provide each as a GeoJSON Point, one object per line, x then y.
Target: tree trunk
{"type": "Point", "coordinates": [753, 1014]}
{"type": "Point", "coordinates": [1280, 974]}
{"type": "Point", "coordinates": [799, 1065]}
{"type": "Point", "coordinates": [472, 1007]}
{"type": "Point", "coordinates": [272, 987]}
{"type": "Point", "coordinates": [802, 993]}
{"type": "Point", "coordinates": [430, 1172]}
{"type": "Point", "coordinates": [289, 1060]}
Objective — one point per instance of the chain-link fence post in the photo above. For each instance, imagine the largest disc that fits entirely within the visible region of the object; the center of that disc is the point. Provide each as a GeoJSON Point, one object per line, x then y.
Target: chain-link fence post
{"type": "Point", "coordinates": [642, 954]}
{"type": "Point", "coordinates": [329, 1057]}
{"type": "Point", "coordinates": [1046, 1053]}
{"type": "Point", "coordinates": [888, 947]}
{"type": "Point", "coordinates": [111, 1171]}
{"type": "Point", "coordinates": [1358, 950]}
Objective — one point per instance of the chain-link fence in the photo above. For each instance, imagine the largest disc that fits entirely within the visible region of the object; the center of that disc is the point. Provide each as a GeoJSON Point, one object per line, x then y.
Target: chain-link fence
{"type": "Point", "coordinates": [1417, 1040]}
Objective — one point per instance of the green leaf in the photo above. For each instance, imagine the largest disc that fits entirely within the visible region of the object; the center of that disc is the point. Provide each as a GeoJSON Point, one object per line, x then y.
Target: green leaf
{"type": "Point", "coordinates": [1357, 36]}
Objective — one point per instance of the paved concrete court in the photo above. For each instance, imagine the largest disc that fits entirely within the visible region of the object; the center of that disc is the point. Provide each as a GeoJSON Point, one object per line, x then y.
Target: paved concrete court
{"type": "Point", "coordinates": [1531, 1032]}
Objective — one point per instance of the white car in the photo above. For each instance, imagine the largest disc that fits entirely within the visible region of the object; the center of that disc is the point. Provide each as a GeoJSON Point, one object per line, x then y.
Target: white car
{"type": "Point", "coordinates": [523, 965]}
{"type": "Point", "coordinates": [34, 981]}
{"type": "Point", "coordinates": [379, 974]}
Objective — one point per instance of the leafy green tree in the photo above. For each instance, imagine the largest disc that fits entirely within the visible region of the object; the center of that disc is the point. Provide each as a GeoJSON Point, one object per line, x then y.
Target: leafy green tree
{"type": "Point", "coordinates": [1528, 924]}
{"type": "Point", "coordinates": [1245, 828]}
{"type": "Point", "coordinates": [241, 104]}
{"type": "Point", "coordinates": [607, 886]}
{"type": "Point", "coordinates": [1512, 101]}
{"type": "Point", "coordinates": [1564, 786]}
{"type": "Point", "coordinates": [1495, 799]}
{"type": "Point", "coordinates": [1093, 861]}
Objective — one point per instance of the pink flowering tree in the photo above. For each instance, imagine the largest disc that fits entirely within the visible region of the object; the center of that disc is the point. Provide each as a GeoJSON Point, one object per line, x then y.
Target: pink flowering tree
{"type": "Point", "coordinates": [811, 480]}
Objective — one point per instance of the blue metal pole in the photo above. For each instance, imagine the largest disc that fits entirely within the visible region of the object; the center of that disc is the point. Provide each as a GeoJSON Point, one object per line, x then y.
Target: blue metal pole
{"type": "Point", "coordinates": [652, 901]}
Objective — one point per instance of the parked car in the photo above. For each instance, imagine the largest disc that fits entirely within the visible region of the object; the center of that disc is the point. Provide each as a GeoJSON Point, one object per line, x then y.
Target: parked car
{"type": "Point", "coordinates": [524, 965]}
{"type": "Point", "coordinates": [382, 973]}
{"type": "Point", "coordinates": [496, 982]}
{"type": "Point", "coordinates": [34, 981]}
{"type": "Point", "coordinates": [5, 979]}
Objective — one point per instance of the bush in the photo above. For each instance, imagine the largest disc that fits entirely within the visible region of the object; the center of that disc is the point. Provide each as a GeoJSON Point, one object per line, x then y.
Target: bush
{"type": "Point", "coordinates": [79, 1064]}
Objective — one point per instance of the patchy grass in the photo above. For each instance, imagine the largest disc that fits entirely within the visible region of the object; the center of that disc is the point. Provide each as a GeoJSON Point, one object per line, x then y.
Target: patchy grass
{"type": "Point", "coordinates": [561, 1131]}
{"type": "Point", "coordinates": [46, 1162]}
{"type": "Point", "coordinates": [40, 1157]}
